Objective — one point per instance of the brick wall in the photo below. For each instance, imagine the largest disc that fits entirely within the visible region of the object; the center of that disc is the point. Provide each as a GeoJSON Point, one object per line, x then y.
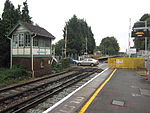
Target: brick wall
{"type": "Point", "coordinates": [25, 62]}
{"type": "Point", "coordinates": [46, 69]}
{"type": "Point", "coordinates": [38, 70]}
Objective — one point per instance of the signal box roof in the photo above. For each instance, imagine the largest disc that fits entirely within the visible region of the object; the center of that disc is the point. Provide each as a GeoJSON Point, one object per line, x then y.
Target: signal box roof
{"type": "Point", "coordinates": [33, 30]}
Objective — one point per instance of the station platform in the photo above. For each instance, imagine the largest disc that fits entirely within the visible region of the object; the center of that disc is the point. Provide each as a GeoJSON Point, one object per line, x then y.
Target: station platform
{"type": "Point", "coordinates": [119, 91]}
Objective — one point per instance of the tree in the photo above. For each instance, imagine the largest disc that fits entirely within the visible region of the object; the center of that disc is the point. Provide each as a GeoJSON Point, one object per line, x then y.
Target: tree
{"type": "Point", "coordinates": [18, 14]}
{"type": "Point", "coordinates": [25, 13]}
{"type": "Point", "coordinates": [10, 18]}
{"type": "Point", "coordinates": [139, 43]}
{"type": "Point", "coordinates": [78, 32]}
{"type": "Point", "coordinates": [1, 44]}
{"type": "Point", "coordinates": [59, 47]}
{"type": "Point", "coordinates": [7, 22]}
{"type": "Point", "coordinates": [145, 17]}
{"type": "Point", "coordinates": [109, 46]}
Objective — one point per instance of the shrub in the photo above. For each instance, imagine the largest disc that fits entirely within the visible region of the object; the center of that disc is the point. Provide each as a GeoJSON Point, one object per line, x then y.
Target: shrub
{"type": "Point", "coordinates": [65, 62]}
{"type": "Point", "coordinates": [61, 65]}
{"type": "Point", "coordinates": [57, 67]}
{"type": "Point", "coordinates": [13, 75]}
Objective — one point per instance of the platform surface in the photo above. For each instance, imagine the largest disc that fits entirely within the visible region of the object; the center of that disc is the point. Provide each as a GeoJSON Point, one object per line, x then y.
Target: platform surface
{"type": "Point", "coordinates": [126, 92]}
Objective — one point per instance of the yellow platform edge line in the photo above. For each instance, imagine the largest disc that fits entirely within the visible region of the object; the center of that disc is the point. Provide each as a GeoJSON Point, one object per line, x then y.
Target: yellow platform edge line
{"type": "Point", "coordinates": [84, 108]}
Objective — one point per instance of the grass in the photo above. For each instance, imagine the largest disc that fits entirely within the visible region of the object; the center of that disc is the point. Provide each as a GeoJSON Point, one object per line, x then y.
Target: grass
{"type": "Point", "coordinates": [10, 76]}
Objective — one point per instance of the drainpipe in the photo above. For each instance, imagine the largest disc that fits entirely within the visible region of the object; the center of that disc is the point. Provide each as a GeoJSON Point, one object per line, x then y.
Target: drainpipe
{"type": "Point", "coordinates": [32, 63]}
{"type": "Point", "coordinates": [10, 51]}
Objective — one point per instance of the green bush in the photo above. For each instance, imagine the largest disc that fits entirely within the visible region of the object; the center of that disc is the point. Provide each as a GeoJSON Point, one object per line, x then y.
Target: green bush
{"type": "Point", "coordinates": [8, 76]}
{"type": "Point", "coordinates": [66, 62]}
{"type": "Point", "coordinates": [57, 67]}
{"type": "Point", "coordinates": [61, 65]}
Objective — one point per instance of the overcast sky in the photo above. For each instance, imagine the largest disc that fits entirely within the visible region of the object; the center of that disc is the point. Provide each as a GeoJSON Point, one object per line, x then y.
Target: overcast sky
{"type": "Point", "coordinates": [106, 17]}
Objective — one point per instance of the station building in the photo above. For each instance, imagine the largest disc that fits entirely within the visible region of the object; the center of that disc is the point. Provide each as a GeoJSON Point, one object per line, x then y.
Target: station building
{"type": "Point", "coordinates": [31, 48]}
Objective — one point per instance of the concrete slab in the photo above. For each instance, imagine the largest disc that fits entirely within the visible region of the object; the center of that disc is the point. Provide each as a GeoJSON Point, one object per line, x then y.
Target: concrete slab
{"type": "Point", "coordinates": [118, 103]}
{"type": "Point", "coordinates": [145, 92]}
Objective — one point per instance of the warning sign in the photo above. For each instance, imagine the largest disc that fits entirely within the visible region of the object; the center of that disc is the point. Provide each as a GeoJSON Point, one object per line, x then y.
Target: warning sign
{"type": "Point", "coordinates": [118, 61]}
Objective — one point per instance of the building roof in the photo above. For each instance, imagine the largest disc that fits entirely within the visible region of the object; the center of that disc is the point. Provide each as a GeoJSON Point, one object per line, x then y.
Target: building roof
{"type": "Point", "coordinates": [34, 29]}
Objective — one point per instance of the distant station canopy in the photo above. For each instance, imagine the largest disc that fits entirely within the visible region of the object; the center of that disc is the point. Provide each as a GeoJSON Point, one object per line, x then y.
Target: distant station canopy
{"type": "Point", "coordinates": [140, 32]}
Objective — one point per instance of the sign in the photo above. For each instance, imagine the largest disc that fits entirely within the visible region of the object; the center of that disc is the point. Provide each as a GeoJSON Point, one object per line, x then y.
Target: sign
{"type": "Point", "coordinates": [140, 33]}
{"type": "Point", "coordinates": [131, 51]}
{"type": "Point", "coordinates": [118, 61]}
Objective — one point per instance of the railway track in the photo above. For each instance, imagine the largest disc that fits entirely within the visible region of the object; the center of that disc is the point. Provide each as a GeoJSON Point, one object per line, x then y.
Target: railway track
{"type": "Point", "coordinates": [28, 95]}
{"type": "Point", "coordinates": [30, 82]}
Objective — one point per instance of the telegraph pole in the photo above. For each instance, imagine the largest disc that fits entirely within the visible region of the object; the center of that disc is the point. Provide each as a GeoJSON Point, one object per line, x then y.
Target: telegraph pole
{"type": "Point", "coordinates": [145, 39]}
{"type": "Point", "coordinates": [86, 44]}
{"type": "Point", "coordinates": [65, 50]}
{"type": "Point", "coordinates": [62, 52]}
{"type": "Point", "coordinates": [129, 37]}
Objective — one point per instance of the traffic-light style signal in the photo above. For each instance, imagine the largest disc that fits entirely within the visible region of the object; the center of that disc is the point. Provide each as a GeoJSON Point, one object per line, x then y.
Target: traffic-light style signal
{"type": "Point", "coordinates": [140, 33]}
